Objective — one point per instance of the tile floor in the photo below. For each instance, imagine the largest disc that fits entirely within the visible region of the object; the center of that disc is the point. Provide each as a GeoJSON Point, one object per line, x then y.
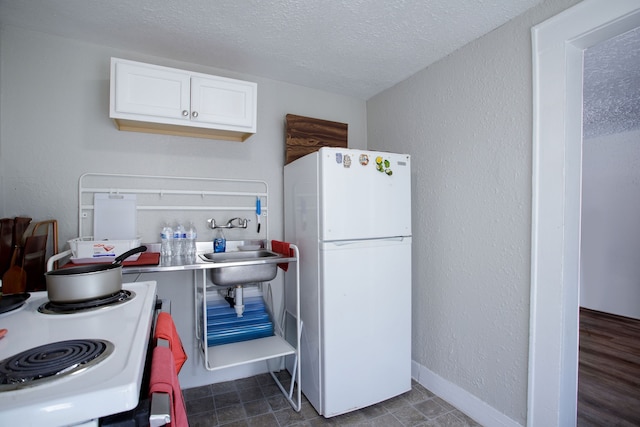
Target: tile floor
{"type": "Point", "coordinates": [257, 401]}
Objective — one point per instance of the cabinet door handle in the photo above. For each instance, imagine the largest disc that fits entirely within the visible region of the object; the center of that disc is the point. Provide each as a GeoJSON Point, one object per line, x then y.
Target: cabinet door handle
{"type": "Point", "coordinates": [185, 113]}
{"type": "Point", "coordinates": [194, 114]}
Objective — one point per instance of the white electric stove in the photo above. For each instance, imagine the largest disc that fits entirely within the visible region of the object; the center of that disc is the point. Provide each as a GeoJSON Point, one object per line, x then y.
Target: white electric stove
{"type": "Point", "coordinates": [108, 384]}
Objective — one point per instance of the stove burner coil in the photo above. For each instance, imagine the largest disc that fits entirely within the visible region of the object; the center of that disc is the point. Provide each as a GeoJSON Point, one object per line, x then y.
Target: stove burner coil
{"type": "Point", "coordinates": [76, 307]}
{"type": "Point", "coordinates": [51, 361]}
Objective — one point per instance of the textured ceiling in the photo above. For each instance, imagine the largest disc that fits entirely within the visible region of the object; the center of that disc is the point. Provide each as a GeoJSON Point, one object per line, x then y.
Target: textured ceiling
{"type": "Point", "coordinates": [354, 47]}
{"type": "Point", "coordinates": [612, 85]}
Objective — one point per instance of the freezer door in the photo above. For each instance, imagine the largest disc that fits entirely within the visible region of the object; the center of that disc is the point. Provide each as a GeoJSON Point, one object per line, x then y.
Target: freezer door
{"type": "Point", "coordinates": [366, 323]}
{"type": "Point", "coordinates": [361, 198]}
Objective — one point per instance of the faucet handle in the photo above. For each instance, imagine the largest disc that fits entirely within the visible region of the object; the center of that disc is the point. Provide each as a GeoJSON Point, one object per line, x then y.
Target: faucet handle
{"type": "Point", "coordinates": [212, 223]}
{"type": "Point", "coordinates": [241, 223]}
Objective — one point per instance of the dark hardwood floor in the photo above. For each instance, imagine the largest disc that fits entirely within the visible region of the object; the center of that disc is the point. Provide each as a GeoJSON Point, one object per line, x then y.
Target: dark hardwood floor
{"type": "Point", "coordinates": [609, 370]}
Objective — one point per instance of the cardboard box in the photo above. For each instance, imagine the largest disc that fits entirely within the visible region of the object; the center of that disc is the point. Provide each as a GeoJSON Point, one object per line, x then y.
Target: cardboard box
{"type": "Point", "coordinates": [102, 250]}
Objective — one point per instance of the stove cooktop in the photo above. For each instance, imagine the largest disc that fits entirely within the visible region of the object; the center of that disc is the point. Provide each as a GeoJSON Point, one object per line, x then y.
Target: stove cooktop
{"type": "Point", "coordinates": [108, 387]}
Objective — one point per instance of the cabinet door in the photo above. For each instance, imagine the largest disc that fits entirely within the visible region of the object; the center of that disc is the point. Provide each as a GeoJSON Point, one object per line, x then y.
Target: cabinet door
{"type": "Point", "coordinates": [152, 91]}
{"type": "Point", "coordinates": [227, 103]}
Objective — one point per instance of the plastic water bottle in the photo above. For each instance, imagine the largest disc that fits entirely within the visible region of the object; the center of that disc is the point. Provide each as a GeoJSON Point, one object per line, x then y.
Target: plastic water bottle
{"type": "Point", "coordinates": [179, 237]}
{"type": "Point", "coordinates": [192, 236]}
{"type": "Point", "coordinates": [166, 241]}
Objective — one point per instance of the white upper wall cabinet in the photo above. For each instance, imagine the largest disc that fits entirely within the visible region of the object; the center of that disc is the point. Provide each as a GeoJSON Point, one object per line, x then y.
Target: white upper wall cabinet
{"type": "Point", "coordinates": [151, 98]}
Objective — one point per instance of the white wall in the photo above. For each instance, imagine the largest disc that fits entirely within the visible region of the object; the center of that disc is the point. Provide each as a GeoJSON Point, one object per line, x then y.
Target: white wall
{"type": "Point", "coordinates": [56, 126]}
{"type": "Point", "coordinates": [54, 99]}
{"type": "Point", "coordinates": [610, 254]}
{"type": "Point", "coordinates": [467, 122]}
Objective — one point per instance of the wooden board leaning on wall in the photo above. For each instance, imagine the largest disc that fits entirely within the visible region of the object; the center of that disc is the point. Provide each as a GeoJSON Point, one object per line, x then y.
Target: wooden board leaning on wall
{"type": "Point", "coordinates": [306, 135]}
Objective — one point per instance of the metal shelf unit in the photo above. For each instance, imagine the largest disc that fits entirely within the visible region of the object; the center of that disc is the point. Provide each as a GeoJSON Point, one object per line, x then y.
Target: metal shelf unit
{"type": "Point", "coordinates": [255, 350]}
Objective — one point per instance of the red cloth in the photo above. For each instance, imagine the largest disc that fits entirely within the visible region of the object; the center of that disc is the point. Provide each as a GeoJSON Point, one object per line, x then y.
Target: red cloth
{"type": "Point", "coordinates": [165, 380]}
{"type": "Point", "coordinates": [283, 249]}
{"type": "Point", "coordinates": [145, 258]}
{"type": "Point", "coordinates": [166, 329]}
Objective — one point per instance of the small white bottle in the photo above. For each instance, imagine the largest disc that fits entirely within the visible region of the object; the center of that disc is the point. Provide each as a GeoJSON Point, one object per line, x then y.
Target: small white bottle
{"type": "Point", "coordinates": [192, 236]}
{"type": "Point", "coordinates": [179, 237]}
{"type": "Point", "coordinates": [166, 241]}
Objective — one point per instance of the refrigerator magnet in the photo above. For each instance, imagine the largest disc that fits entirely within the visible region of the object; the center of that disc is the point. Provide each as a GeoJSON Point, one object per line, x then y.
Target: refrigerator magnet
{"type": "Point", "coordinates": [383, 165]}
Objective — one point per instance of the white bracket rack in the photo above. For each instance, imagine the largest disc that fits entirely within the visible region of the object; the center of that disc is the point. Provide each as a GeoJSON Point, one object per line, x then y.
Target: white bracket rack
{"type": "Point", "coordinates": [179, 198]}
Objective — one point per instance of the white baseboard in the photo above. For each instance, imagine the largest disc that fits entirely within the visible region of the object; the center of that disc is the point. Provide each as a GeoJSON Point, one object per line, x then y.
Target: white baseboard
{"type": "Point", "coordinates": [460, 398]}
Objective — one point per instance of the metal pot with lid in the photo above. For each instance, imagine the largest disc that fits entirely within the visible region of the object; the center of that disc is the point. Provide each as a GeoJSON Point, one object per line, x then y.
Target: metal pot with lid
{"type": "Point", "coordinates": [87, 282]}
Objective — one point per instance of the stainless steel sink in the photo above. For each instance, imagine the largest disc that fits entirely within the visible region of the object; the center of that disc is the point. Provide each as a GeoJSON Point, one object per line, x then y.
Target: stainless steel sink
{"type": "Point", "coordinates": [241, 267]}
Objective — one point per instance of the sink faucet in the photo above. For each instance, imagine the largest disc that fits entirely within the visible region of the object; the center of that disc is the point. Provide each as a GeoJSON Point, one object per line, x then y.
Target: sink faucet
{"type": "Point", "coordinates": [240, 223]}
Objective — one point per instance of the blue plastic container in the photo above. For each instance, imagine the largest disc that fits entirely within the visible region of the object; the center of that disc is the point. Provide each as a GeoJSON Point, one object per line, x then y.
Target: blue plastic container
{"type": "Point", "coordinates": [225, 327]}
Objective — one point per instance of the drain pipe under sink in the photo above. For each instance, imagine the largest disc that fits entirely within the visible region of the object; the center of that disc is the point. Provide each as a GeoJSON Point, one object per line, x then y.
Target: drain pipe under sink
{"type": "Point", "coordinates": [238, 301]}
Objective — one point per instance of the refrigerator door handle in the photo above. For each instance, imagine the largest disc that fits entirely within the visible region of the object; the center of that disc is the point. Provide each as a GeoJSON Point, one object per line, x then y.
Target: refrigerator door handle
{"type": "Point", "coordinates": [355, 242]}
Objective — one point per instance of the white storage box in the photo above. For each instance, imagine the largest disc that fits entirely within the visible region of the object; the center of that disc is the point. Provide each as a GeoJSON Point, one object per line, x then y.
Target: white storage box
{"type": "Point", "coordinates": [85, 250]}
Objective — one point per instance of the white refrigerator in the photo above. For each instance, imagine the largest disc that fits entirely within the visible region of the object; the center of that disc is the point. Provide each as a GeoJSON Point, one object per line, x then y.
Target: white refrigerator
{"type": "Point", "coordinates": [349, 212]}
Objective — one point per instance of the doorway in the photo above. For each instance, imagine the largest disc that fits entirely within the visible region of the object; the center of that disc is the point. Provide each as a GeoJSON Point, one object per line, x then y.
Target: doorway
{"type": "Point", "coordinates": [558, 46]}
{"type": "Point", "coordinates": [609, 327]}
{"type": "Point", "coordinates": [611, 177]}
